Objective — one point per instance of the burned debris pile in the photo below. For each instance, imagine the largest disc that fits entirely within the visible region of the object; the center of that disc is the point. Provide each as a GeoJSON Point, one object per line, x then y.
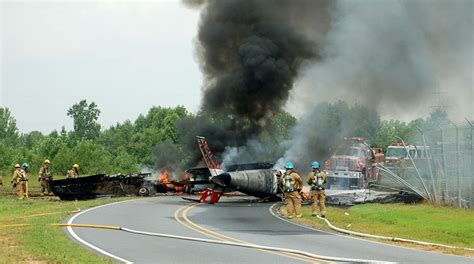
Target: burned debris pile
{"type": "Point", "coordinates": [90, 187]}
{"type": "Point", "coordinates": [353, 197]}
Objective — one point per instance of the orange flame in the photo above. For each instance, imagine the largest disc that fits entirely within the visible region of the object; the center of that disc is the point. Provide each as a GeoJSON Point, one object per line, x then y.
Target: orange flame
{"type": "Point", "coordinates": [164, 176]}
{"type": "Point", "coordinates": [177, 186]}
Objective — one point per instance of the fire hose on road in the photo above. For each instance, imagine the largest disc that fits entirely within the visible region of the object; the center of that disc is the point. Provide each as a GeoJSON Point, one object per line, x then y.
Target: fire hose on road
{"type": "Point", "coordinates": [348, 232]}
{"type": "Point", "coordinates": [396, 239]}
{"type": "Point", "coordinates": [227, 243]}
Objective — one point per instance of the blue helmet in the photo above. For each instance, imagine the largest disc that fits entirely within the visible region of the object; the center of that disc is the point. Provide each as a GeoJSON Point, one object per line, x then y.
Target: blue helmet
{"type": "Point", "coordinates": [315, 165]}
{"type": "Point", "coordinates": [24, 165]}
{"type": "Point", "coordinates": [289, 165]}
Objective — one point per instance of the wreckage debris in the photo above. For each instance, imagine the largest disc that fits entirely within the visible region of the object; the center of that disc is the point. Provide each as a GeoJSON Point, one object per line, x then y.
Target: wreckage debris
{"type": "Point", "coordinates": [94, 186]}
{"type": "Point", "coordinates": [349, 198]}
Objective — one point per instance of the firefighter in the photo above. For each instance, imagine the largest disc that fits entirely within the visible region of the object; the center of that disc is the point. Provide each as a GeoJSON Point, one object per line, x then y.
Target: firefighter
{"type": "Point", "coordinates": [19, 180]}
{"type": "Point", "coordinates": [45, 177]}
{"type": "Point", "coordinates": [16, 179]}
{"type": "Point", "coordinates": [24, 180]}
{"type": "Point", "coordinates": [317, 180]}
{"type": "Point", "coordinates": [291, 184]}
{"type": "Point", "coordinates": [74, 172]}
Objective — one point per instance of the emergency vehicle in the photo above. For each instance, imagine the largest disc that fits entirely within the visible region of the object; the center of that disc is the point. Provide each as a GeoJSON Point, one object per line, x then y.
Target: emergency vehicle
{"type": "Point", "coordinates": [353, 165]}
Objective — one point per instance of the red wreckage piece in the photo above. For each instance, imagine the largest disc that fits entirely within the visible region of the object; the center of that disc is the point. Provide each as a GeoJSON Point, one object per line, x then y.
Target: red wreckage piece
{"type": "Point", "coordinates": [215, 196]}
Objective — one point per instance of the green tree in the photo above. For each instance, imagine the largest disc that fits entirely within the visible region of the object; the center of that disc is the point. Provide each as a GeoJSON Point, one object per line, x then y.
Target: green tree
{"type": "Point", "coordinates": [92, 158]}
{"type": "Point", "coordinates": [8, 128]}
{"type": "Point", "coordinates": [31, 140]}
{"type": "Point", "coordinates": [118, 137]}
{"type": "Point", "coordinates": [391, 130]}
{"type": "Point", "coordinates": [7, 160]}
{"type": "Point", "coordinates": [23, 154]}
{"type": "Point", "coordinates": [157, 126]}
{"type": "Point", "coordinates": [125, 163]}
{"type": "Point", "coordinates": [50, 145]}
{"type": "Point", "coordinates": [437, 118]}
{"type": "Point", "coordinates": [280, 125]}
{"type": "Point", "coordinates": [85, 120]}
{"type": "Point", "coordinates": [163, 120]}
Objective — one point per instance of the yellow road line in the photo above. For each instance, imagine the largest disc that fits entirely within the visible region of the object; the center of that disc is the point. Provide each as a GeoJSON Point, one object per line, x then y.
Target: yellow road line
{"type": "Point", "coordinates": [224, 237]}
{"type": "Point", "coordinates": [200, 229]}
{"type": "Point", "coordinates": [185, 216]}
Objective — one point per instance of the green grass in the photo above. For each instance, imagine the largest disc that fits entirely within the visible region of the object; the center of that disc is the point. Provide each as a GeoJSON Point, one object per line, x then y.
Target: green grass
{"type": "Point", "coordinates": [445, 225]}
{"type": "Point", "coordinates": [38, 241]}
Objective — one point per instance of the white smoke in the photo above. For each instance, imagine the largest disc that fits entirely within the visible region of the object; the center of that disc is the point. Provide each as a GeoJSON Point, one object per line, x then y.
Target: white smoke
{"type": "Point", "coordinates": [394, 56]}
{"type": "Point", "coordinates": [390, 56]}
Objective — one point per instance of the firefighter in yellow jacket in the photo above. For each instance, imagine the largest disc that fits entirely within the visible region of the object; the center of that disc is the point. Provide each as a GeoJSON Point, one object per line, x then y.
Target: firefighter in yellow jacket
{"type": "Point", "coordinates": [24, 179]}
{"type": "Point", "coordinates": [45, 177]}
{"type": "Point", "coordinates": [74, 172]}
{"type": "Point", "coordinates": [19, 180]}
{"type": "Point", "coordinates": [317, 180]}
{"type": "Point", "coordinates": [291, 184]}
{"type": "Point", "coordinates": [16, 178]}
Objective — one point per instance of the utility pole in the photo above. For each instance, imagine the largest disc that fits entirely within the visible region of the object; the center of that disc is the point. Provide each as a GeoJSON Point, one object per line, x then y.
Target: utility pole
{"type": "Point", "coordinates": [439, 104]}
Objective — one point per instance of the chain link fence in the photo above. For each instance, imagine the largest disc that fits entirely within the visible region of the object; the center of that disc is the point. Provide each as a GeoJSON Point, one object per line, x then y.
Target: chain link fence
{"type": "Point", "coordinates": [439, 165]}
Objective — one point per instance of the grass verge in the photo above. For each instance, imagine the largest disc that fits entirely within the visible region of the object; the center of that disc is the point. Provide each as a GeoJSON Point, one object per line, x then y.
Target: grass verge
{"type": "Point", "coordinates": [444, 225]}
{"type": "Point", "coordinates": [27, 237]}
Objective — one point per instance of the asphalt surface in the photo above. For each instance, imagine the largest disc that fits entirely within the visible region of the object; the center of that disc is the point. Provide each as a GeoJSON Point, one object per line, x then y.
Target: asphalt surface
{"type": "Point", "coordinates": [233, 219]}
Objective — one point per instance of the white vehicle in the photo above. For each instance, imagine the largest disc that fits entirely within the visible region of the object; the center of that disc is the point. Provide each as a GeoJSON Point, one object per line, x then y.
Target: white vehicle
{"type": "Point", "coordinates": [397, 153]}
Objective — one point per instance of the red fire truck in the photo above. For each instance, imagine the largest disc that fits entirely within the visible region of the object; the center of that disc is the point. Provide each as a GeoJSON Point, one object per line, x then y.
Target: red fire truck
{"type": "Point", "coordinates": [353, 165]}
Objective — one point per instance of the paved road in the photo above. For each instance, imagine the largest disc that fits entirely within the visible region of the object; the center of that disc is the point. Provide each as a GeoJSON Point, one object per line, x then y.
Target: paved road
{"type": "Point", "coordinates": [230, 220]}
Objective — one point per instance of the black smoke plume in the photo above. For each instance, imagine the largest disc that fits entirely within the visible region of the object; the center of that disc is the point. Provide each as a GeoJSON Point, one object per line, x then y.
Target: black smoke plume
{"type": "Point", "coordinates": [250, 53]}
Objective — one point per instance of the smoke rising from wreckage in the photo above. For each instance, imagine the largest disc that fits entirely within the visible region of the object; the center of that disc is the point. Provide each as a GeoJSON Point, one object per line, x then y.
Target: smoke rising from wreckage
{"type": "Point", "coordinates": [331, 57]}
{"type": "Point", "coordinates": [252, 52]}
{"type": "Point", "coordinates": [250, 60]}
{"type": "Point", "coordinates": [260, 180]}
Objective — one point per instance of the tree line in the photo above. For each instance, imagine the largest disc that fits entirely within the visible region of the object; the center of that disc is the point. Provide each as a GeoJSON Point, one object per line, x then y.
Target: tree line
{"type": "Point", "coordinates": [123, 148]}
{"type": "Point", "coordinates": [131, 146]}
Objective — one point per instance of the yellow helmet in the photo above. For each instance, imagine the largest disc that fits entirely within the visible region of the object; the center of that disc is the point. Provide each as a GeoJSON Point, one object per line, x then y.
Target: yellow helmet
{"type": "Point", "coordinates": [47, 162]}
{"type": "Point", "coordinates": [75, 166]}
{"type": "Point", "coordinates": [17, 165]}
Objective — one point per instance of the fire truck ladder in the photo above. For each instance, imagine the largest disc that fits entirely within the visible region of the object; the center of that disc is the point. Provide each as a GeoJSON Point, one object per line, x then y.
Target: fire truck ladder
{"type": "Point", "coordinates": [208, 157]}
{"type": "Point", "coordinates": [214, 169]}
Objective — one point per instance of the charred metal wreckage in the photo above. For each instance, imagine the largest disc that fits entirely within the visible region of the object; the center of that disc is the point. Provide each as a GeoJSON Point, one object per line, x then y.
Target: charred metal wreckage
{"type": "Point", "coordinates": [261, 179]}
{"type": "Point", "coordinates": [89, 187]}
{"type": "Point", "coordinates": [257, 179]}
